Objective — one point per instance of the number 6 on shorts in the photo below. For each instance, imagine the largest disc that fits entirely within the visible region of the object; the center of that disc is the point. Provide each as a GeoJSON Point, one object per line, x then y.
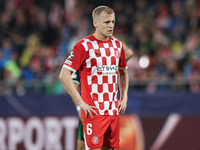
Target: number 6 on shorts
{"type": "Point", "coordinates": [89, 129]}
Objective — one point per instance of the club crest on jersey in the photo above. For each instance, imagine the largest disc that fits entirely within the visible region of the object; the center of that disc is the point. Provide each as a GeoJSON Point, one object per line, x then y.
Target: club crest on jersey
{"type": "Point", "coordinates": [95, 140]}
{"type": "Point", "coordinates": [117, 53]}
{"type": "Point", "coordinates": [71, 55]}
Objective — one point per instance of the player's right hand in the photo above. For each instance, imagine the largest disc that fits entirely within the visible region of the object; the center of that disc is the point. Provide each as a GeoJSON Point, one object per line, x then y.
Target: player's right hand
{"type": "Point", "coordinates": [88, 110]}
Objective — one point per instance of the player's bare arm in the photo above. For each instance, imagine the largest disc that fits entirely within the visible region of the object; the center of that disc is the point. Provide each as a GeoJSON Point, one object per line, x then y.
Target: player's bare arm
{"type": "Point", "coordinates": [123, 87]}
{"type": "Point", "coordinates": [77, 86]}
{"type": "Point", "coordinates": [65, 78]}
{"type": "Point", "coordinates": [128, 51]}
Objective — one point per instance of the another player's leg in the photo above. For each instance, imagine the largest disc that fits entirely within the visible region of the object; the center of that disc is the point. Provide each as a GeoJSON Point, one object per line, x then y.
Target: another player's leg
{"type": "Point", "coordinates": [80, 145]}
{"type": "Point", "coordinates": [105, 148]}
{"type": "Point", "coordinates": [80, 138]}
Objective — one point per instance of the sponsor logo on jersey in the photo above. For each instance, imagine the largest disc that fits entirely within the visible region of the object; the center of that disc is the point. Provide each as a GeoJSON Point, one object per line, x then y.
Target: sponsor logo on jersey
{"type": "Point", "coordinates": [106, 70]}
{"type": "Point", "coordinates": [71, 55]}
{"type": "Point", "coordinates": [95, 140]}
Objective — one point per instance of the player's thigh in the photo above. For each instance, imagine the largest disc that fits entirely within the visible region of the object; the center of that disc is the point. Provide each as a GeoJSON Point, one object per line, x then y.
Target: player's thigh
{"type": "Point", "coordinates": [94, 130]}
{"type": "Point", "coordinates": [111, 136]}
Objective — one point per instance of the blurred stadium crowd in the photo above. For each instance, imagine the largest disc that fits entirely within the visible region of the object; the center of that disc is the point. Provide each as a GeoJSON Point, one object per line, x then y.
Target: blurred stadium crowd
{"type": "Point", "coordinates": [37, 35]}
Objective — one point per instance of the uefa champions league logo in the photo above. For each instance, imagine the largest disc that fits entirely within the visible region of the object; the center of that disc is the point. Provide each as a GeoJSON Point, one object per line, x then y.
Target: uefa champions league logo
{"type": "Point", "coordinates": [71, 55]}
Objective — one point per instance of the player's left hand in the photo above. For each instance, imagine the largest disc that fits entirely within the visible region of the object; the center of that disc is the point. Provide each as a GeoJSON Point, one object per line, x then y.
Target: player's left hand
{"type": "Point", "coordinates": [122, 105]}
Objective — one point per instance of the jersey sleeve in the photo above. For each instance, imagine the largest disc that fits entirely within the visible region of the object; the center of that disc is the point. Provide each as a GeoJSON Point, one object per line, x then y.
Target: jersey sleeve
{"type": "Point", "coordinates": [76, 58]}
{"type": "Point", "coordinates": [122, 60]}
{"type": "Point", "coordinates": [75, 77]}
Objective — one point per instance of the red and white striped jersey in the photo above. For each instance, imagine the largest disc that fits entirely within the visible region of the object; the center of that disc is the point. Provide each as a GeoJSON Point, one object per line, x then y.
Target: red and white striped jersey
{"type": "Point", "coordinates": [98, 63]}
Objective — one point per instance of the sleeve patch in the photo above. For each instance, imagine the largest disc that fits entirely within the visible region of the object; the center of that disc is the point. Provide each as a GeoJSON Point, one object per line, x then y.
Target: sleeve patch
{"type": "Point", "coordinates": [68, 62]}
{"type": "Point", "coordinates": [71, 55]}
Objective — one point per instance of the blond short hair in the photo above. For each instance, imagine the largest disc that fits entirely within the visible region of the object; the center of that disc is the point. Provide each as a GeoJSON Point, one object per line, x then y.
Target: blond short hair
{"type": "Point", "coordinates": [99, 10]}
